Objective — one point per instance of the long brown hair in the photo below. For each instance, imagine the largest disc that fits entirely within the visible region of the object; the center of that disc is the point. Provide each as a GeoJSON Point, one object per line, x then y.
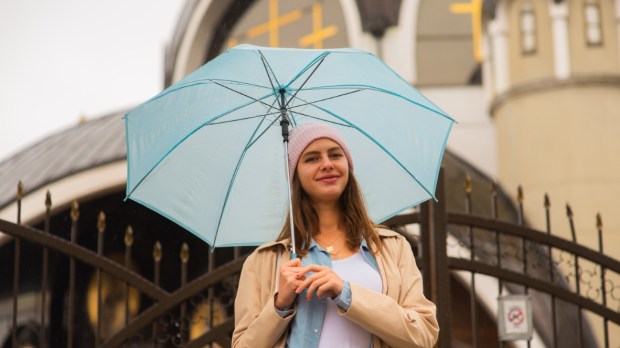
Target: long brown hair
{"type": "Point", "coordinates": [357, 222]}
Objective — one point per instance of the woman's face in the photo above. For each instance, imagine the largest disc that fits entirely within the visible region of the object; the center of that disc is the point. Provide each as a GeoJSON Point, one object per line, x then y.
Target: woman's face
{"type": "Point", "coordinates": [323, 170]}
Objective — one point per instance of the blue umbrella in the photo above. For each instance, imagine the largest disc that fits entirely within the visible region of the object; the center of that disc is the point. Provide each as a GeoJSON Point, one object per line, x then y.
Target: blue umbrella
{"type": "Point", "coordinates": [208, 152]}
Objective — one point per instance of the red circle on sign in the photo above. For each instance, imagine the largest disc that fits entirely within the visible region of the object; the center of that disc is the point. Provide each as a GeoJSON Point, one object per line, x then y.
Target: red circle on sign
{"type": "Point", "coordinates": [516, 316]}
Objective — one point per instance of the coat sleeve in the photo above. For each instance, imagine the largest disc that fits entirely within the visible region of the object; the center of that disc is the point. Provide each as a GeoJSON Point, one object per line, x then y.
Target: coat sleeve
{"type": "Point", "coordinates": [257, 324]}
{"type": "Point", "coordinates": [406, 321]}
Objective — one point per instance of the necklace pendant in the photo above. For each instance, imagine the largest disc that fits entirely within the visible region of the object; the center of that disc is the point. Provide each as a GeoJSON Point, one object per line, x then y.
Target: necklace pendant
{"type": "Point", "coordinates": [330, 250]}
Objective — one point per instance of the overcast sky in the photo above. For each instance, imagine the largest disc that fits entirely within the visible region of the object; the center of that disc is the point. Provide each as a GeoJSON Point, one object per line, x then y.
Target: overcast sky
{"type": "Point", "coordinates": [64, 58]}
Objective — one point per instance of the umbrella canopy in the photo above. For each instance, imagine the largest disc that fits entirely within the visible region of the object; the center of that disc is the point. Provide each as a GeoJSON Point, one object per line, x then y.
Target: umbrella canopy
{"type": "Point", "coordinates": [207, 152]}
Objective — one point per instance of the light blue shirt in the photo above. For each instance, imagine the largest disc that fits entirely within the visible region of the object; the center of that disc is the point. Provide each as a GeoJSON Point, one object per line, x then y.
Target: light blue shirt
{"type": "Point", "coordinates": [305, 329]}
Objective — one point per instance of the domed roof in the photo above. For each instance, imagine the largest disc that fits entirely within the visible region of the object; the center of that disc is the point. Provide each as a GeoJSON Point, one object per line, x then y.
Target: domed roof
{"type": "Point", "coordinates": [87, 145]}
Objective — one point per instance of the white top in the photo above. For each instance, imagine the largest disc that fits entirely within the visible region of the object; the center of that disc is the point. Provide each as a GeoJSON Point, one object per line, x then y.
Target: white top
{"type": "Point", "coordinates": [337, 331]}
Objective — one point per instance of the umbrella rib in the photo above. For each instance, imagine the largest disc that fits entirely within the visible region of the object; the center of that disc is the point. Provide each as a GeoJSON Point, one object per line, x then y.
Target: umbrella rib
{"type": "Point", "coordinates": [316, 63]}
{"type": "Point", "coordinates": [190, 134]}
{"type": "Point", "coordinates": [263, 132]}
{"type": "Point", "coordinates": [320, 119]}
{"type": "Point", "coordinates": [381, 90]}
{"type": "Point", "coordinates": [245, 95]}
{"type": "Point", "coordinates": [234, 176]}
{"type": "Point", "coordinates": [324, 99]}
{"type": "Point", "coordinates": [195, 83]}
{"type": "Point", "coordinates": [244, 118]}
{"type": "Point", "coordinates": [267, 70]}
{"type": "Point", "coordinates": [320, 57]}
{"type": "Point", "coordinates": [239, 83]}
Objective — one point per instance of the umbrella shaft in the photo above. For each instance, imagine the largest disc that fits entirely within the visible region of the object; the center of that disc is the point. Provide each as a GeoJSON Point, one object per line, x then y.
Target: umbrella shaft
{"type": "Point", "coordinates": [290, 201]}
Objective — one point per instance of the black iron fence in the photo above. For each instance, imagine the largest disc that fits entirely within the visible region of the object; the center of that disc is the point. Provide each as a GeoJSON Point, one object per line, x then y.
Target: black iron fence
{"type": "Point", "coordinates": [572, 288]}
{"type": "Point", "coordinates": [568, 284]}
{"type": "Point", "coordinates": [197, 314]}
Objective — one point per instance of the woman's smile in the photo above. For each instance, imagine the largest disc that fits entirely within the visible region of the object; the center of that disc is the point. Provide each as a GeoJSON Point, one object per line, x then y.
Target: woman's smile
{"type": "Point", "coordinates": [328, 179]}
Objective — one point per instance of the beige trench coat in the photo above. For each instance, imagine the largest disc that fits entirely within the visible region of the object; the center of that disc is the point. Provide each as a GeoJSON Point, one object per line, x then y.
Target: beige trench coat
{"type": "Point", "coordinates": [399, 316]}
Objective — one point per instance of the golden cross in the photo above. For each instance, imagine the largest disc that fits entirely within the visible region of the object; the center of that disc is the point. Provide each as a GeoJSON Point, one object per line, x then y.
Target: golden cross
{"type": "Point", "coordinates": [319, 34]}
{"type": "Point", "coordinates": [273, 24]}
{"type": "Point", "coordinates": [474, 8]}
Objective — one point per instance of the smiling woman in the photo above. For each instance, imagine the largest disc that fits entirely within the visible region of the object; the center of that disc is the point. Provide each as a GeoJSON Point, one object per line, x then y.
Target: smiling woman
{"type": "Point", "coordinates": [348, 268]}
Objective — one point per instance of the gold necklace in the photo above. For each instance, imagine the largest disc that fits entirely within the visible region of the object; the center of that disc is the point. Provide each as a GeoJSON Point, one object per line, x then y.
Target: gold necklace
{"type": "Point", "coordinates": [333, 253]}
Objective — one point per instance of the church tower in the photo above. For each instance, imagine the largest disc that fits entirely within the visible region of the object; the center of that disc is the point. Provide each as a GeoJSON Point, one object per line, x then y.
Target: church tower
{"type": "Point", "coordinates": [555, 88]}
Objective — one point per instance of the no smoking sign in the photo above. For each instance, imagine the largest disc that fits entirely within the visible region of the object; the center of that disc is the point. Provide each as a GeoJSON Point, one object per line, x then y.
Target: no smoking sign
{"type": "Point", "coordinates": [515, 317]}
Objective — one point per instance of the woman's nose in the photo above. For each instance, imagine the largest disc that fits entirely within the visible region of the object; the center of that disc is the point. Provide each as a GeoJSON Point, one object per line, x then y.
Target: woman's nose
{"type": "Point", "coordinates": [326, 163]}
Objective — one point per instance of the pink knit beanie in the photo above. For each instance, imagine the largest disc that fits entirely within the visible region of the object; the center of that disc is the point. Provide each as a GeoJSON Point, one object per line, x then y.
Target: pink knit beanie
{"type": "Point", "coordinates": [301, 136]}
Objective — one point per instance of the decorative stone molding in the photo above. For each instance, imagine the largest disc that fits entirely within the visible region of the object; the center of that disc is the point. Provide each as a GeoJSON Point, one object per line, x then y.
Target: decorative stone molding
{"type": "Point", "coordinates": [538, 86]}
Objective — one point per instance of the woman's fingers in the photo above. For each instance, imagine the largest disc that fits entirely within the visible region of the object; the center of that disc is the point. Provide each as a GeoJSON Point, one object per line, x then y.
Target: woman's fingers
{"type": "Point", "coordinates": [314, 285]}
{"type": "Point", "coordinates": [325, 282]}
{"type": "Point", "coordinates": [312, 268]}
{"type": "Point", "coordinates": [288, 282]}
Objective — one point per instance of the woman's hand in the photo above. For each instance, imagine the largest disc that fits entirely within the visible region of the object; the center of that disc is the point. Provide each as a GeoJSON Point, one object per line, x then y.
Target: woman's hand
{"type": "Point", "coordinates": [324, 281]}
{"type": "Point", "coordinates": [289, 279]}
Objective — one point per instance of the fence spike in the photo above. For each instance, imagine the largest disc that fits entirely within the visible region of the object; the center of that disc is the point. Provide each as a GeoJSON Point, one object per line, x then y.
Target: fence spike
{"type": "Point", "coordinates": [157, 253]}
{"type": "Point", "coordinates": [48, 199]}
{"type": "Point", "coordinates": [184, 253]}
{"type": "Point", "coordinates": [599, 221]}
{"type": "Point", "coordinates": [569, 211]}
{"type": "Point", "coordinates": [75, 211]}
{"type": "Point", "coordinates": [467, 183]}
{"type": "Point", "coordinates": [493, 187]}
{"type": "Point", "coordinates": [547, 214]}
{"type": "Point", "coordinates": [20, 190]}
{"type": "Point", "coordinates": [129, 236]}
{"type": "Point", "coordinates": [101, 222]}
{"type": "Point", "coordinates": [520, 194]}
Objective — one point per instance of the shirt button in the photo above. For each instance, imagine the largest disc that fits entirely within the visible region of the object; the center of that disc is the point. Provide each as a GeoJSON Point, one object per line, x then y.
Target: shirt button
{"type": "Point", "coordinates": [316, 330]}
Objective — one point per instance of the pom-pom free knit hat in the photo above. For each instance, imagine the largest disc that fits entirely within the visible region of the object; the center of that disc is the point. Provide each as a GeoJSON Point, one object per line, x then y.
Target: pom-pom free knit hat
{"type": "Point", "coordinates": [301, 136]}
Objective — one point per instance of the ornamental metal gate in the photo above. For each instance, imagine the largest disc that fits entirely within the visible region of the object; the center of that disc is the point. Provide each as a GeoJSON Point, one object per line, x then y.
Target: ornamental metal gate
{"type": "Point", "coordinates": [90, 294]}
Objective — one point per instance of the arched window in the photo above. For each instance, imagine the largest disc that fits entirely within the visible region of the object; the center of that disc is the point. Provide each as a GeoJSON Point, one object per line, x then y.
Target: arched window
{"type": "Point", "coordinates": [592, 24]}
{"type": "Point", "coordinates": [527, 28]}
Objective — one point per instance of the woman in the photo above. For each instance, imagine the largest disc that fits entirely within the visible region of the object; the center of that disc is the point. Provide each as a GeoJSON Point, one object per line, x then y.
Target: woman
{"type": "Point", "coordinates": [353, 285]}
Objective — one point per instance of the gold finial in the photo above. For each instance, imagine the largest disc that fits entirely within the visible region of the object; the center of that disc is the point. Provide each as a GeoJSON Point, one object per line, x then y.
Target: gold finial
{"type": "Point", "coordinates": [467, 183]}
{"type": "Point", "coordinates": [599, 221]}
{"type": "Point", "coordinates": [48, 199]}
{"type": "Point", "coordinates": [184, 253]}
{"type": "Point", "coordinates": [75, 211]}
{"type": "Point", "coordinates": [129, 236]}
{"type": "Point", "coordinates": [520, 194]}
{"type": "Point", "coordinates": [547, 201]}
{"type": "Point", "coordinates": [101, 222]}
{"type": "Point", "coordinates": [20, 190]}
{"type": "Point", "coordinates": [569, 211]}
{"type": "Point", "coordinates": [81, 118]}
{"type": "Point", "coordinates": [157, 253]}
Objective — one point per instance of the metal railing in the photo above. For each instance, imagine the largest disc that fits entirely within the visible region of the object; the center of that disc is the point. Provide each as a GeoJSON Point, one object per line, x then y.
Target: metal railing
{"type": "Point", "coordinates": [170, 319]}
{"type": "Point", "coordinates": [523, 260]}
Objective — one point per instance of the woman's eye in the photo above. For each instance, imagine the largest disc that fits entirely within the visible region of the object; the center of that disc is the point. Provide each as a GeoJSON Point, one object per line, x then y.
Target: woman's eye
{"type": "Point", "coordinates": [336, 155]}
{"type": "Point", "coordinates": [310, 159]}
